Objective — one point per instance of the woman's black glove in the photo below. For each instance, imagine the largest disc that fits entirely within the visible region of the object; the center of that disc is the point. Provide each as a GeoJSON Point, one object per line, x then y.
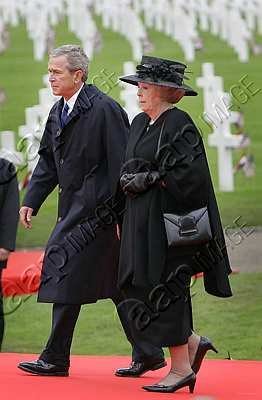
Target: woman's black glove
{"type": "Point", "coordinates": [125, 179]}
{"type": "Point", "coordinates": [140, 182]}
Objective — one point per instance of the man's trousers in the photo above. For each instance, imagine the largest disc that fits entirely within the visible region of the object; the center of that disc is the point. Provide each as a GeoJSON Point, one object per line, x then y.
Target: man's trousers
{"type": "Point", "coordinates": [57, 350]}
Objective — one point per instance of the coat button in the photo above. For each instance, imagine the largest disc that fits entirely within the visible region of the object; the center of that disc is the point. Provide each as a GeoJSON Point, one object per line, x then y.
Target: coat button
{"type": "Point", "coordinates": [60, 190]}
{"type": "Point", "coordinates": [59, 219]}
{"type": "Point", "coordinates": [58, 133]}
{"type": "Point", "coordinates": [61, 161]}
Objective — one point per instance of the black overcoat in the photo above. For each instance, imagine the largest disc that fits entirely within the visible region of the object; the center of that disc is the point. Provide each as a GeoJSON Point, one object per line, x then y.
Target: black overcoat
{"type": "Point", "coordinates": [9, 207]}
{"type": "Point", "coordinates": [188, 187]}
{"type": "Point", "coordinates": [84, 159]}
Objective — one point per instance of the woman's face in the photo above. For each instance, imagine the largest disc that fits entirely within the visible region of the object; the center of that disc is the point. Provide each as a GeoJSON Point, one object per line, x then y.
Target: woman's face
{"type": "Point", "coordinates": [149, 97]}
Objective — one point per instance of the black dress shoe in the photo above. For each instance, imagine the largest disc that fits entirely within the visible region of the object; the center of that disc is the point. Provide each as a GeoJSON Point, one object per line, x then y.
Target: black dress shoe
{"type": "Point", "coordinates": [138, 368]}
{"type": "Point", "coordinates": [40, 367]}
{"type": "Point", "coordinates": [203, 347]}
{"type": "Point", "coordinates": [189, 380]}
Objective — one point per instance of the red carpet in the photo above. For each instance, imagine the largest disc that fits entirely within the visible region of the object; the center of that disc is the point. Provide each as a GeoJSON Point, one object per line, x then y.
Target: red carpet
{"type": "Point", "coordinates": [22, 275]}
{"type": "Point", "coordinates": [91, 377]}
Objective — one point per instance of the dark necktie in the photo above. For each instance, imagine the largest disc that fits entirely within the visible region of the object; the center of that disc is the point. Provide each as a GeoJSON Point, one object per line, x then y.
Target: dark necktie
{"type": "Point", "coordinates": [64, 115]}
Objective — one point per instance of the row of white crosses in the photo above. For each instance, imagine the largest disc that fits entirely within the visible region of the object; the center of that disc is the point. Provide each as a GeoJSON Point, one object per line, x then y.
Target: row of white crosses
{"type": "Point", "coordinates": [81, 22]}
{"type": "Point", "coordinates": [2, 35]}
{"type": "Point", "coordinates": [9, 11]}
{"type": "Point", "coordinates": [129, 92]}
{"type": "Point", "coordinates": [234, 21]}
{"type": "Point", "coordinates": [120, 16]}
{"type": "Point", "coordinates": [252, 11]}
{"type": "Point", "coordinates": [8, 16]}
{"type": "Point", "coordinates": [228, 23]}
{"type": "Point", "coordinates": [41, 17]}
{"type": "Point", "coordinates": [184, 21]}
{"type": "Point", "coordinates": [30, 134]}
{"type": "Point", "coordinates": [170, 17]}
{"type": "Point", "coordinates": [217, 113]}
{"type": "Point", "coordinates": [35, 119]}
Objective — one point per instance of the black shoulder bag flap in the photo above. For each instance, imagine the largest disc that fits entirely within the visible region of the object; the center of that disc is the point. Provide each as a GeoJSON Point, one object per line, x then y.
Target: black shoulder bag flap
{"type": "Point", "coordinates": [189, 229]}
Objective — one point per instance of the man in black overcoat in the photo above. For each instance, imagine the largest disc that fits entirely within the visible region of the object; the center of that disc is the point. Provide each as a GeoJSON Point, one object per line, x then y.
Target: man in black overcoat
{"type": "Point", "coordinates": [81, 151]}
{"type": "Point", "coordinates": [9, 216]}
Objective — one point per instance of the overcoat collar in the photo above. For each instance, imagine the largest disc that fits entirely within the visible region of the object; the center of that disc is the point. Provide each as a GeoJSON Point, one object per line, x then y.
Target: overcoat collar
{"type": "Point", "coordinates": [141, 129]}
{"type": "Point", "coordinates": [82, 104]}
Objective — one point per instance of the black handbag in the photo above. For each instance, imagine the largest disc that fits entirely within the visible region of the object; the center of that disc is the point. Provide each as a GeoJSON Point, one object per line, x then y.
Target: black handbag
{"type": "Point", "coordinates": [189, 229]}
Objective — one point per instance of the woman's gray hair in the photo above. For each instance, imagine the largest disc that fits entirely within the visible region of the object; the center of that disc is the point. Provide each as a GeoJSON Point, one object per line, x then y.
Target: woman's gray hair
{"type": "Point", "coordinates": [76, 57]}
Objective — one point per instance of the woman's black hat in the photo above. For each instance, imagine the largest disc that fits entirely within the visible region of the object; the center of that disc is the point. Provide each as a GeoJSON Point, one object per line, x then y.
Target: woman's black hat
{"type": "Point", "coordinates": [162, 72]}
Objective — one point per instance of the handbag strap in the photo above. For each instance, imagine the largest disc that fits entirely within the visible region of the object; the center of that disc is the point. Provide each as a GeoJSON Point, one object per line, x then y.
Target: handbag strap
{"type": "Point", "coordinates": [160, 135]}
{"type": "Point", "coordinates": [158, 147]}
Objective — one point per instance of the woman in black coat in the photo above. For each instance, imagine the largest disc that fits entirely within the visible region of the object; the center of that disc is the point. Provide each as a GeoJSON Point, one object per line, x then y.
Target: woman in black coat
{"type": "Point", "coordinates": [166, 171]}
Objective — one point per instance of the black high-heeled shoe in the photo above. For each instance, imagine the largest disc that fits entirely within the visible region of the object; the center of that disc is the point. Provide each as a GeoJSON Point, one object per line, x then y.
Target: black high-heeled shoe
{"type": "Point", "coordinates": [189, 380]}
{"type": "Point", "coordinates": [203, 347]}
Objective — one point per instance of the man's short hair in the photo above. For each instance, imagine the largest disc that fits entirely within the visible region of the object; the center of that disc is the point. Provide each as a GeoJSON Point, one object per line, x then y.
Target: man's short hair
{"type": "Point", "coordinates": [76, 57]}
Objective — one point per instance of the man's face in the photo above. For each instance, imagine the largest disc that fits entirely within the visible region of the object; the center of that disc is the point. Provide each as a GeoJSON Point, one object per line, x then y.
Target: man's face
{"type": "Point", "coordinates": [63, 81]}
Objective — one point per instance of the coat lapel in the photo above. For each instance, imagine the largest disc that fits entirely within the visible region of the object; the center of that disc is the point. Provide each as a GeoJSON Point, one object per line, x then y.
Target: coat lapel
{"type": "Point", "coordinates": [58, 112]}
{"type": "Point", "coordinates": [138, 132]}
{"type": "Point", "coordinates": [82, 104]}
{"type": "Point", "coordinates": [57, 124]}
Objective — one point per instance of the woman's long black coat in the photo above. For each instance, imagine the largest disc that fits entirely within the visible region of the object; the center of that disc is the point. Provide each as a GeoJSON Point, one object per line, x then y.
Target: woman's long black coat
{"type": "Point", "coordinates": [188, 187]}
{"type": "Point", "coordinates": [84, 159]}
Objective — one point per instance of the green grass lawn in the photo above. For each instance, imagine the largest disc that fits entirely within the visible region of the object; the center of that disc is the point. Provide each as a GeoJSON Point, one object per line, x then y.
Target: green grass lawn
{"type": "Point", "coordinates": [21, 78]}
{"type": "Point", "coordinates": [234, 324]}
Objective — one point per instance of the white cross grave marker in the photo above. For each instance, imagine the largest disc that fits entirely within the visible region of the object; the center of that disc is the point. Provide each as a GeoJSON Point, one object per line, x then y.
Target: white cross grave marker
{"type": "Point", "coordinates": [217, 112]}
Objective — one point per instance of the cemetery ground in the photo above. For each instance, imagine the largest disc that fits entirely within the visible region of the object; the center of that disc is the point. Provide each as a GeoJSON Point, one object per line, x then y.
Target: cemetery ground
{"type": "Point", "coordinates": [233, 324]}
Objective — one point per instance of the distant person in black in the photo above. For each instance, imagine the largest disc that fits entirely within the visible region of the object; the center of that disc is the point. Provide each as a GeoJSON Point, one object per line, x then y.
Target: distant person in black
{"type": "Point", "coordinates": [9, 215]}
